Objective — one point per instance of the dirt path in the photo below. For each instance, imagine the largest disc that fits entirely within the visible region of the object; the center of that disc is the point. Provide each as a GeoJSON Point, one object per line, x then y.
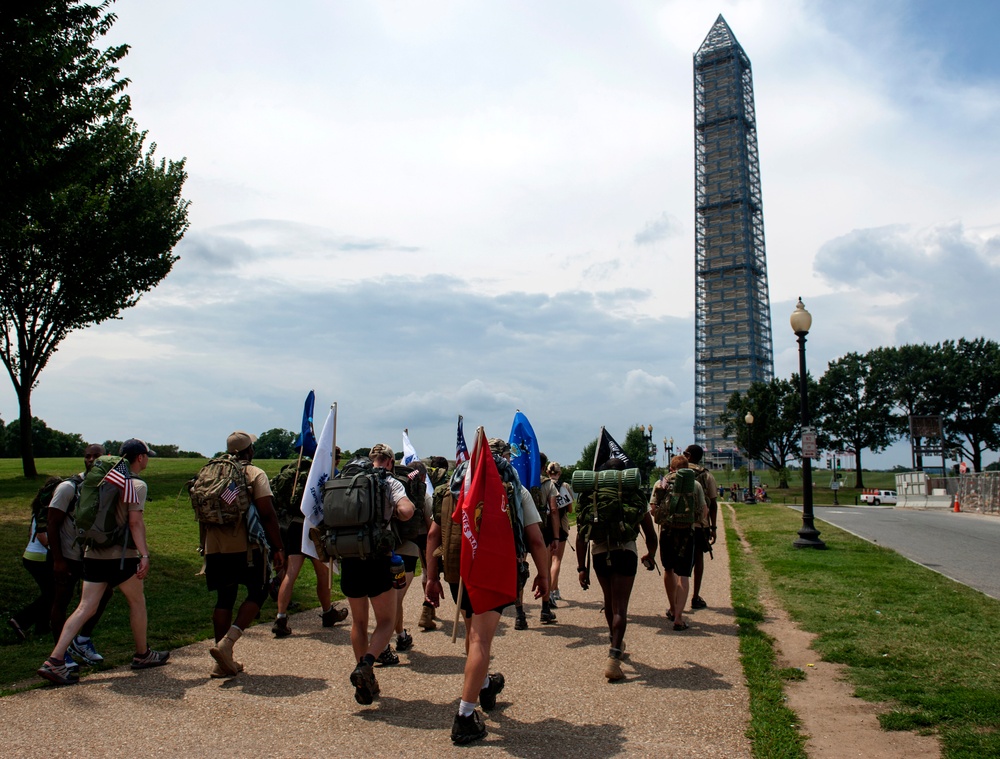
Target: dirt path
{"type": "Point", "coordinates": [837, 724]}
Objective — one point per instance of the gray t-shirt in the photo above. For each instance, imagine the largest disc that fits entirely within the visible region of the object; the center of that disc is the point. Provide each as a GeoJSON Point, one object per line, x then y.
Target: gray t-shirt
{"type": "Point", "coordinates": [62, 500]}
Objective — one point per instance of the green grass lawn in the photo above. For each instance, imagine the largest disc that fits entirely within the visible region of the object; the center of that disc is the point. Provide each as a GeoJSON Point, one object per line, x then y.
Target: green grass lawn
{"type": "Point", "coordinates": [179, 605]}
{"type": "Point", "coordinates": [909, 637]}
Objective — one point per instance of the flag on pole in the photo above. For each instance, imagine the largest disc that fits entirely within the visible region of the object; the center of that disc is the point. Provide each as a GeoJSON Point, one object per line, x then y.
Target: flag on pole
{"type": "Point", "coordinates": [307, 437]}
{"type": "Point", "coordinates": [489, 563]}
{"type": "Point", "coordinates": [121, 477]}
{"type": "Point", "coordinates": [608, 448]}
{"type": "Point", "coordinates": [525, 456]}
{"type": "Point", "coordinates": [409, 454]}
{"type": "Point", "coordinates": [320, 471]}
{"type": "Point", "coordinates": [461, 449]}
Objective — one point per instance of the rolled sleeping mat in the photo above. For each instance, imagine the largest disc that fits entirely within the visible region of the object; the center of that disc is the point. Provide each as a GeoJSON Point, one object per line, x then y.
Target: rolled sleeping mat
{"type": "Point", "coordinates": [585, 481]}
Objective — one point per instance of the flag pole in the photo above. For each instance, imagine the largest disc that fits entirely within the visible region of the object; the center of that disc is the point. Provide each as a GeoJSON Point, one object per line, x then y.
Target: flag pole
{"type": "Point", "coordinates": [333, 469]}
{"type": "Point", "coordinates": [597, 450]}
{"type": "Point", "coordinates": [458, 609]}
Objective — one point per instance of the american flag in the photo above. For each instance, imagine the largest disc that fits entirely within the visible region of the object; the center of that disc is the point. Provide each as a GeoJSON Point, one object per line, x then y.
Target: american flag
{"type": "Point", "coordinates": [121, 477]}
{"type": "Point", "coordinates": [230, 494]}
{"type": "Point", "coordinates": [461, 449]}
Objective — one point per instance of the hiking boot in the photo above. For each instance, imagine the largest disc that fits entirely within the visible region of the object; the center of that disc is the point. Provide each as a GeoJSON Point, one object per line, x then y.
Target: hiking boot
{"type": "Point", "coordinates": [222, 652]}
{"type": "Point", "coordinates": [152, 659]}
{"type": "Point", "coordinates": [333, 616]}
{"type": "Point", "coordinates": [520, 621]}
{"type": "Point", "coordinates": [404, 641]}
{"type": "Point", "coordinates": [365, 684]}
{"type": "Point", "coordinates": [388, 657]}
{"type": "Point", "coordinates": [280, 628]}
{"type": "Point", "coordinates": [548, 616]}
{"type": "Point", "coordinates": [85, 652]}
{"type": "Point", "coordinates": [488, 695]}
{"type": "Point", "coordinates": [219, 672]}
{"type": "Point", "coordinates": [57, 672]}
{"type": "Point", "coordinates": [698, 603]}
{"type": "Point", "coordinates": [427, 619]}
{"type": "Point", "coordinates": [613, 669]}
{"type": "Point", "coordinates": [467, 729]}
{"type": "Point", "coordinates": [21, 634]}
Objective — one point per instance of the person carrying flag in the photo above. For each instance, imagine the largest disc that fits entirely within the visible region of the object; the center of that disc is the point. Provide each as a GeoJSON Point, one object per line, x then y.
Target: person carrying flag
{"type": "Point", "coordinates": [106, 567]}
{"type": "Point", "coordinates": [492, 526]}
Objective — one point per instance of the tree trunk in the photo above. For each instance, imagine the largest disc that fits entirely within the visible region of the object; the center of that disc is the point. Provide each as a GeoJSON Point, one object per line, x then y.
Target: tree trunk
{"type": "Point", "coordinates": [27, 450]}
{"type": "Point", "coordinates": [857, 469]}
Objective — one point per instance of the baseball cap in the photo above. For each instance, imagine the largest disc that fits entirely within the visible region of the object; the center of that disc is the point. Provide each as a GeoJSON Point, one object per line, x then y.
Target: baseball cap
{"type": "Point", "coordinates": [499, 446]}
{"type": "Point", "coordinates": [381, 449]}
{"type": "Point", "coordinates": [240, 441]}
{"type": "Point", "coordinates": [135, 446]}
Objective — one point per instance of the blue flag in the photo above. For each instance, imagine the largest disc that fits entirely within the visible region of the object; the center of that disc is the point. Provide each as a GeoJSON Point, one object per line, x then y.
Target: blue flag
{"type": "Point", "coordinates": [307, 438]}
{"type": "Point", "coordinates": [524, 454]}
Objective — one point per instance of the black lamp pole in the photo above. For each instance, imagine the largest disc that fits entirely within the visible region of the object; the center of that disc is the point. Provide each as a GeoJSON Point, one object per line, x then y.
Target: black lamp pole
{"type": "Point", "coordinates": [808, 534]}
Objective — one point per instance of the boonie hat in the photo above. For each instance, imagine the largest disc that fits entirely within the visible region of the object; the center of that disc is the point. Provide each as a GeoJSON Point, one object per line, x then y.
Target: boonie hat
{"type": "Point", "coordinates": [381, 449]}
{"type": "Point", "coordinates": [135, 446]}
{"type": "Point", "coordinates": [240, 441]}
{"type": "Point", "coordinates": [499, 446]}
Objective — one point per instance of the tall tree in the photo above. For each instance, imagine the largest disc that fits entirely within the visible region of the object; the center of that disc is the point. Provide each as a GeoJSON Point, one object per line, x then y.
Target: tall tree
{"type": "Point", "coordinates": [88, 219]}
{"type": "Point", "coordinates": [855, 408]}
{"type": "Point", "coordinates": [970, 397]}
{"type": "Point", "coordinates": [775, 435]}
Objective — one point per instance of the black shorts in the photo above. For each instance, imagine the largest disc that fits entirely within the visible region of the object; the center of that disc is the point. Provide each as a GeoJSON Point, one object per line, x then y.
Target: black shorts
{"type": "Point", "coordinates": [421, 541]}
{"type": "Point", "coordinates": [701, 537]}
{"type": "Point", "coordinates": [291, 538]}
{"type": "Point", "coordinates": [365, 578]}
{"type": "Point", "coordinates": [409, 563]}
{"type": "Point", "coordinates": [547, 533]}
{"type": "Point", "coordinates": [225, 569]}
{"type": "Point", "coordinates": [111, 571]}
{"type": "Point", "coordinates": [677, 550]}
{"type": "Point", "coordinates": [619, 562]}
{"type": "Point", "coordinates": [467, 604]}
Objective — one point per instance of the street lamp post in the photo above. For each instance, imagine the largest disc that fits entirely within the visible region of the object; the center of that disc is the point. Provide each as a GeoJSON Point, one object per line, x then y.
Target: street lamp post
{"type": "Point", "coordinates": [751, 498]}
{"type": "Point", "coordinates": [801, 321]}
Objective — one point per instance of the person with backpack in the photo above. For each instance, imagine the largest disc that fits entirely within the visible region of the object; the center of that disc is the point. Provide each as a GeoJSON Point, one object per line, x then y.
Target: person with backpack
{"type": "Point", "coordinates": [239, 533]}
{"type": "Point", "coordinates": [615, 554]}
{"type": "Point", "coordinates": [678, 505]}
{"type": "Point", "coordinates": [286, 488]}
{"type": "Point", "coordinates": [564, 506]}
{"type": "Point", "coordinates": [369, 580]}
{"type": "Point", "coordinates": [479, 684]}
{"type": "Point", "coordinates": [37, 562]}
{"type": "Point", "coordinates": [67, 564]}
{"type": "Point", "coordinates": [124, 566]}
{"type": "Point", "coordinates": [705, 531]}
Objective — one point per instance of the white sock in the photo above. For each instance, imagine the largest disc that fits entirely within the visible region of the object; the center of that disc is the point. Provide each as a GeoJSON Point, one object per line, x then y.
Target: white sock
{"type": "Point", "coordinates": [82, 639]}
{"type": "Point", "coordinates": [465, 708]}
{"type": "Point", "coordinates": [486, 682]}
{"type": "Point", "coordinates": [281, 615]}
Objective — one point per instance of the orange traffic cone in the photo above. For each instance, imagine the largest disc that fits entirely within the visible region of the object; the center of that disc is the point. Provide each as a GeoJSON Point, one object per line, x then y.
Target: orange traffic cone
{"type": "Point", "coordinates": [958, 506]}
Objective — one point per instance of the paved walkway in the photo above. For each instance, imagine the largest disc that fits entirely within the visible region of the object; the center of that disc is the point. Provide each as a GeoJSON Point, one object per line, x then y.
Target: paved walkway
{"type": "Point", "coordinates": [684, 693]}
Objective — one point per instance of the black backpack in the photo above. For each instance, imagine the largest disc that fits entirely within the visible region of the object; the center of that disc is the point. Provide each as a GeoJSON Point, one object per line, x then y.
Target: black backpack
{"type": "Point", "coordinates": [410, 529]}
{"type": "Point", "coordinates": [40, 503]}
{"type": "Point", "coordinates": [356, 519]}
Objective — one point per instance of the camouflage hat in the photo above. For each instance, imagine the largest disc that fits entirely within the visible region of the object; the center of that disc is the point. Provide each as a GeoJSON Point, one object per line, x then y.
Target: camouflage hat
{"type": "Point", "coordinates": [499, 446]}
{"type": "Point", "coordinates": [381, 449]}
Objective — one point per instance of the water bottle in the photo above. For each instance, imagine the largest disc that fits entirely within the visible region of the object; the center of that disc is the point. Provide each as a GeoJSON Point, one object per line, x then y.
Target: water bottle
{"type": "Point", "coordinates": [398, 571]}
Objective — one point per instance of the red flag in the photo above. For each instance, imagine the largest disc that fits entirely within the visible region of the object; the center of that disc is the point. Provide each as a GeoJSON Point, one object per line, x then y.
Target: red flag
{"type": "Point", "coordinates": [489, 563]}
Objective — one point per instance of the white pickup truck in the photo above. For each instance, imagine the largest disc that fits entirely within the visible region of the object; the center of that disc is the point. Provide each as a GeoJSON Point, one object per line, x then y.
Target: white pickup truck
{"type": "Point", "coordinates": [877, 497]}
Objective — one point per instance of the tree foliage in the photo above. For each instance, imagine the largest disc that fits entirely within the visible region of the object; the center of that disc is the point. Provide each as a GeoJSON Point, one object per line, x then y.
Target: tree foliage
{"type": "Point", "coordinates": [275, 444]}
{"type": "Point", "coordinates": [88, 218]}
{"type": "Point", "coordinates": [775, 435]}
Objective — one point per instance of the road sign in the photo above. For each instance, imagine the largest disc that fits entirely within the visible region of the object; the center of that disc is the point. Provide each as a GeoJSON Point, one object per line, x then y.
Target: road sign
{"type": "Point", "coordinates": [809, 447]}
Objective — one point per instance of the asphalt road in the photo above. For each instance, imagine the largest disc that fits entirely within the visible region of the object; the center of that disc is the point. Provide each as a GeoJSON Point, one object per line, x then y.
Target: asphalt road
{"type": "Point", "coordinates": [961, 546]}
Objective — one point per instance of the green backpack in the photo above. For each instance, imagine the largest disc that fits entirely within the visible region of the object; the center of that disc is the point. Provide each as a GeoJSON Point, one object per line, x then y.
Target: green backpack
{"type": "Point", "coordinates": [287, 492]}
{"type": "Point", "coordinates": [219, 493]}
{"type": "Point", "coordinates": [678, 507]}
{"type": "Point", "coordinates": [610, 504]}
{"type": "Point", "coordinates": [96, 512]}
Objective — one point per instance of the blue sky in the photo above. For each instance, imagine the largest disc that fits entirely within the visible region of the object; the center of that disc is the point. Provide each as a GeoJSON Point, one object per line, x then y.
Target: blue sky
{"type": "Point", "coordinates": [433, 208]}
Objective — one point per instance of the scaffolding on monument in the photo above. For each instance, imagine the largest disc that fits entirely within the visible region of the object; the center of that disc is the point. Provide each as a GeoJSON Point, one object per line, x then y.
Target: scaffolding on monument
{"type": "Point", "coordinates": [732, 308]}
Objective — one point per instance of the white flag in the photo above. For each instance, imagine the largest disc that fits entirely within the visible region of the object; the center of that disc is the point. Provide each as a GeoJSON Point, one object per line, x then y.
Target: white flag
{"type": "Point", "coordinates": [320, 471]}
{"type": "Point", "coordinates": [409, 454]}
